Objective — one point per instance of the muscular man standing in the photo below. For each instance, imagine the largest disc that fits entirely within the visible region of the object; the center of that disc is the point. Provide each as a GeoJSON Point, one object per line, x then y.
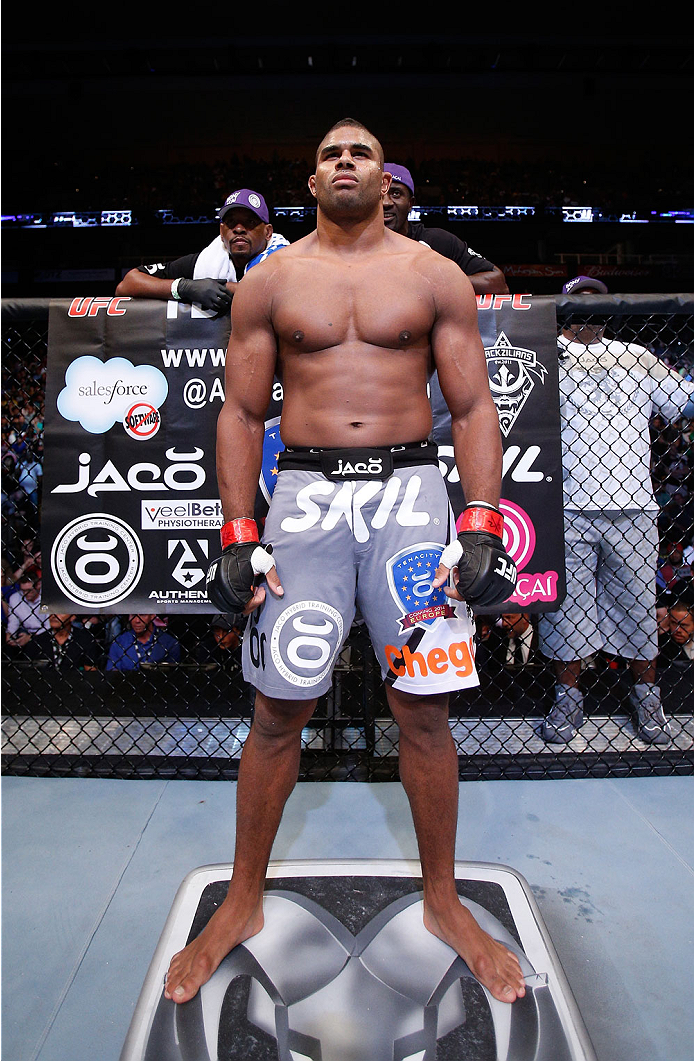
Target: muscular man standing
{"type": "Point", "coordinates": [354, 318]}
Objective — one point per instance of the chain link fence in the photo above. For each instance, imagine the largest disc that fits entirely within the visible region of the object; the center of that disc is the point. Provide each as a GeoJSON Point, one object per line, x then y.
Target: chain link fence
{"type": "Point", "coordinates": [77, 703]}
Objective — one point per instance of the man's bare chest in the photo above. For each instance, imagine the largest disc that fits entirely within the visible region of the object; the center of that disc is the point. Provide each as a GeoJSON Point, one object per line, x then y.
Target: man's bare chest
{"type": "Point", "coordinates": [326, 307]}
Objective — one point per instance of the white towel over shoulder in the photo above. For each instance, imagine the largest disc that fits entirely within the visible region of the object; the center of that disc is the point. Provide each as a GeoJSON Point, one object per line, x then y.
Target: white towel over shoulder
{"type": "Point", "coordinates": [214, 261]}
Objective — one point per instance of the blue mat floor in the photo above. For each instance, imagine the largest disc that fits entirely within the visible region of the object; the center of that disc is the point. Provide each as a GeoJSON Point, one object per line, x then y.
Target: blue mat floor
{"type": "Point", "coordinates": [91, 867]}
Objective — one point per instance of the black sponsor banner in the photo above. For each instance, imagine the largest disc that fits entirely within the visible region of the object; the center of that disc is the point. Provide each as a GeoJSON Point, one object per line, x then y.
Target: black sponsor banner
{"type": "Point", "coordinates": [520, 340]}
{"type": "Point", "coordinates": [131, 511]}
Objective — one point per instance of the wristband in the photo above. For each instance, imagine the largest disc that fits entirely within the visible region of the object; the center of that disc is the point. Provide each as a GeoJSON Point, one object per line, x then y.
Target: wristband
{"type": "Point", "coordinates": [486, 520]}
{"type": "Point", "coordinates": [482, 504]}
{"type": "Point", "coordinates": [174, 289]}
{"type": "Point", "coordinates": [237, 531]}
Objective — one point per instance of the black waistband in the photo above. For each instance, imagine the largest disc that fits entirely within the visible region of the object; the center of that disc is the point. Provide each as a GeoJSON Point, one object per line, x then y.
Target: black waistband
{"type": "Point", "coordinates": [363, 462]}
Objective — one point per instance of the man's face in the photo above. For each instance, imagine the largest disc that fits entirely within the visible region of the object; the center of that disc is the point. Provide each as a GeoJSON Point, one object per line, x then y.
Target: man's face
{"type": "Point", "coordinates": [396, 206]}
{"type": "Point", "coordinates": [30, 589]}
{"type": "Point", "coordinates": [225, 638]}
{"type": "Point", "coordinates": [349, 180]}
{"type": "Point", "coordinates": [514, 623]}
{"type": "Point", "coordinates": [681, 625]}
{"type": "Point", "coordinates": [243, 234]}
{"type": "Point", "coordinates": [140, 623]}
{"type": "Point", "coordinates": [60, 622]}
{"type": "Point", "coordinates": [585, 331]}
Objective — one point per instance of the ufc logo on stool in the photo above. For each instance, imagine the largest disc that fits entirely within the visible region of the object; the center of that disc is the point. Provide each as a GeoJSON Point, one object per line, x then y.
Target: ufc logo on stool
{"type": "Point", "coordinates": [506, 569]}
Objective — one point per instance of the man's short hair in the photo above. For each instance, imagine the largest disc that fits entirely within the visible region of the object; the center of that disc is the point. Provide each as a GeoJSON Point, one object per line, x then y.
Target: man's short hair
{"type": "Point", "coordinates": [357, 125]}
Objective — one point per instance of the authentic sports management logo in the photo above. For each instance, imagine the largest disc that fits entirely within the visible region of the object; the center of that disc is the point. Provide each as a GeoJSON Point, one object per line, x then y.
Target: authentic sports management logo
{"type": "Point", "coordinates": [99, 394]}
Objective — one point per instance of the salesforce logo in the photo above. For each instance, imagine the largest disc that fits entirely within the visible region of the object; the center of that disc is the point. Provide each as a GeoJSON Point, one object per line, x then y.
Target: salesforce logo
{"type": "Point", "coordinates": [98, 394]}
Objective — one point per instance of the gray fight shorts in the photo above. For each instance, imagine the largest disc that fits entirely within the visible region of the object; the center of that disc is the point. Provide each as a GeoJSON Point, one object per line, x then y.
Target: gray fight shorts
{"type": "Point", "coordinates": [610, 588]}
{"type": "Point", "coordinates": [373, 544]}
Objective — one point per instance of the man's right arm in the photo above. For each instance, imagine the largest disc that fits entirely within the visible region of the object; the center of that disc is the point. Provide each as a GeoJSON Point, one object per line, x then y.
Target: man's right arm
{"type": "Point", "coordinates": [250, 371]}
{"type": "Point", "coordinates": [232, 580]}
{"type": "Point", "coordinates": [156, 281]}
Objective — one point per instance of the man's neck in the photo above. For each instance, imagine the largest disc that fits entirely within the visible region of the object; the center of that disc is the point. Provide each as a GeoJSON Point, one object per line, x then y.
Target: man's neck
{"type": "Point", "coordinates": [239, 262]}
{"type": "Point", "coordinates": [63, 634]}
{"type": "Point", "coordinates": [145, 636]}
{"type": "Point", "coordinates": [351, 234]}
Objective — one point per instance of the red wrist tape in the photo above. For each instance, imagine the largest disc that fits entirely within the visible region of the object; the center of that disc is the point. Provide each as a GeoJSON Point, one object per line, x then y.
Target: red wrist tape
{"type": "Point", "coordinates": [240, 530]}
{"type": "Point", "coordinates": [482, 519]}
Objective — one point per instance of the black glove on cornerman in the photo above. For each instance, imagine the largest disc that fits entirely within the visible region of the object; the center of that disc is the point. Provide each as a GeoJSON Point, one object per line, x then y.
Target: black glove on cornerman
{"type": "Point", "coordinates": [210, 294]}
{"type": "Point", "coordinates": [231, 577]}
{"type": "Point", "coordinates": [486, 573]}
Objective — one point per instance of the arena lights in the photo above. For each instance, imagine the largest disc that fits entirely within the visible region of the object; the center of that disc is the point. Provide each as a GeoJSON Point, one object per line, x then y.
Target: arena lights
{"type": "Point", "coordinates": [71, 219]}
{"type": "Point", "coordinates": [565, 214]}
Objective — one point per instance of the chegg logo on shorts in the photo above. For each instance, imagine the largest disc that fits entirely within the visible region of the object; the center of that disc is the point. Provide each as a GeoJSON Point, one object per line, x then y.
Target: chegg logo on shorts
{"type": "Point", "coordinates": [437, 660]}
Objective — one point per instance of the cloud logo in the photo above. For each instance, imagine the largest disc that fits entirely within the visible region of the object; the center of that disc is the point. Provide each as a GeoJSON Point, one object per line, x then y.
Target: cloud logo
{"type": "Point", "coordinates": [98, 394]}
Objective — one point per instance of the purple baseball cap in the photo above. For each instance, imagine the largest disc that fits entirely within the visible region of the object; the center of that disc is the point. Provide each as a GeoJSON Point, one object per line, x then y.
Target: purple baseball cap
{"type": "Point", "coordinates": [400, 174]}
{"type": "Point", "coordinates": [580, 283]}
{"type": "Point", "coordinates": [250, 199]}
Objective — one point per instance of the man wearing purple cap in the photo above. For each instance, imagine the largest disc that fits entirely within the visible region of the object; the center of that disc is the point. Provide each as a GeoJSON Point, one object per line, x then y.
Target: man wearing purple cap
{"type": "Point", "coordinates": [608, 392]}
{"type": "Point", "coordinates": [210, 276]}
{"type": "Point", "coordinates": [397, 204]}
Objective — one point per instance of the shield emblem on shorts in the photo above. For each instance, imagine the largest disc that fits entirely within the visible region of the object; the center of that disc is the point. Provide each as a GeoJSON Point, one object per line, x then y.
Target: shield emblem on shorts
{"type": "Point", "coordinates": [272, 447]}
{"type": "Point", "coordinates": [410, 577]}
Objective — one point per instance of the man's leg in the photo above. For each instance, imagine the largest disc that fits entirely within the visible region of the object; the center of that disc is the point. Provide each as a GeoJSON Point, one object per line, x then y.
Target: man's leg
{"type": "Point", "coordinates": [268, 771]}
{"type": "Point", "coordinates": [651, 723]}
{"type": "Point", "coordinates": [429, 773]}
{"type": "Point", "coordinates": [566, 714]}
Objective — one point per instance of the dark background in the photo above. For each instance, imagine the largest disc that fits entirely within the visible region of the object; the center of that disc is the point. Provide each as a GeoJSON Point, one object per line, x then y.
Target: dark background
{"type": "Point", "coordinates": [149, 120]}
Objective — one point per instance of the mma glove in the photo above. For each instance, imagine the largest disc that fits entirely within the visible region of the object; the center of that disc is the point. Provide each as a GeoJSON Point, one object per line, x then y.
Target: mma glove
{"type": "Point", "coordinates": [210, 294]}
{"type": "Point", "coordinates": [486, 573]}
{"type": "Point", "coordinates": [231, 577]}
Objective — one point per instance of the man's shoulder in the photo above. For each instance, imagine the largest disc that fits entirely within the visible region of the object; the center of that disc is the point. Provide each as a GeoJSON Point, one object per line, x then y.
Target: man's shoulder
{"type": "Point", "coordinates": [126, 638]}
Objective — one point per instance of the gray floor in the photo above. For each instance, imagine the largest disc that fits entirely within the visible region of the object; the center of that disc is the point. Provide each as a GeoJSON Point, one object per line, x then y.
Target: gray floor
{"type": "Point", "coordinates": [90, 869]}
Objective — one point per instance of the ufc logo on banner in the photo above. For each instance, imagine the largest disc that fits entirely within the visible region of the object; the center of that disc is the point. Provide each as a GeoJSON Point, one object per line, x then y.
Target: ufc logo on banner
{"type": "Point", "coordinates": [89, 307]}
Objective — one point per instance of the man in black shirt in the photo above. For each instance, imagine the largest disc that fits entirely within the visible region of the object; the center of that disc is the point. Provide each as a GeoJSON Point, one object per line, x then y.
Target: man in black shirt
{"type": "Point", "coordinates": [209, 277]}
{"type": "Point", "coordinates": [484, 276]}
{"type": "Point", "coordinates": [66, 646]}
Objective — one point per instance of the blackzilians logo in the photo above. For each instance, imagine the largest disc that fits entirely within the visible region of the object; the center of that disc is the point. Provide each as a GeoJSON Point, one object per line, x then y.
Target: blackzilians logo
{"type": "Point", "coordinates": [511, 370]}
{"type": "Point", "coordinates": [99, 394]}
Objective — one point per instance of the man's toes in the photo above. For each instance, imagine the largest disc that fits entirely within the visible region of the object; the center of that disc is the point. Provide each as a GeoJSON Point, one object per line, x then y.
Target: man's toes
{"type": "Point", "coordinates": [183, 991]}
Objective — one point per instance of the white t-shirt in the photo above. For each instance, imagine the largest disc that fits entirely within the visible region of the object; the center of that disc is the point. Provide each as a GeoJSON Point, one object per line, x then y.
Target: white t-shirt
{"type": "Point", "coordinates": [608, 392]}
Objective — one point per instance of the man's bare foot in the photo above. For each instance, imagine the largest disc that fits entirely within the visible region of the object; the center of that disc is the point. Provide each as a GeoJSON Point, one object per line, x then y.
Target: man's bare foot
{"type": "Point", "coordinates": [495, 966]}
{"type": "Point", "coordinates": [194, 965]}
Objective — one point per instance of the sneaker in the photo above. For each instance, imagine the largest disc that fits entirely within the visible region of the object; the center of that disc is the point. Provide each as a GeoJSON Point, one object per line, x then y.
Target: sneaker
{"type": "Point", "coordinates": [566, 716]}
{"type": "Point", "coordinates": [651, 725]}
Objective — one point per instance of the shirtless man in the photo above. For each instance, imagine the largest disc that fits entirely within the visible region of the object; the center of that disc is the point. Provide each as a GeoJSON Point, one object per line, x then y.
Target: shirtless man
{"type": "Point", "coordinates": [354, 318]}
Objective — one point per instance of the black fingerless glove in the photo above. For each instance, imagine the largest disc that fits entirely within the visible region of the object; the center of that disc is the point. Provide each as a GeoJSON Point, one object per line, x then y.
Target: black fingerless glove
{"type": "Point", "coordinates": [210, 294]}
{"type": "Point", "coordinates": [486, 573]}
{"type": "Point", "coordinates": [231, 577]}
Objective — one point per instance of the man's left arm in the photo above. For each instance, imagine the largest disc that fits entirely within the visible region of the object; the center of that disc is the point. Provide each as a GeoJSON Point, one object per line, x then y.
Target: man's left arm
{"type": "Point", "coordinates": [462, 370]}
{"type": "Point", "coordinates": [484, 574]}
{"type": "Point", "coordinates": [489, 281]}
{"type": "Point", "coordinates": [485, 277]}
{"type": "Point", "coordinates": [673, 395]}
